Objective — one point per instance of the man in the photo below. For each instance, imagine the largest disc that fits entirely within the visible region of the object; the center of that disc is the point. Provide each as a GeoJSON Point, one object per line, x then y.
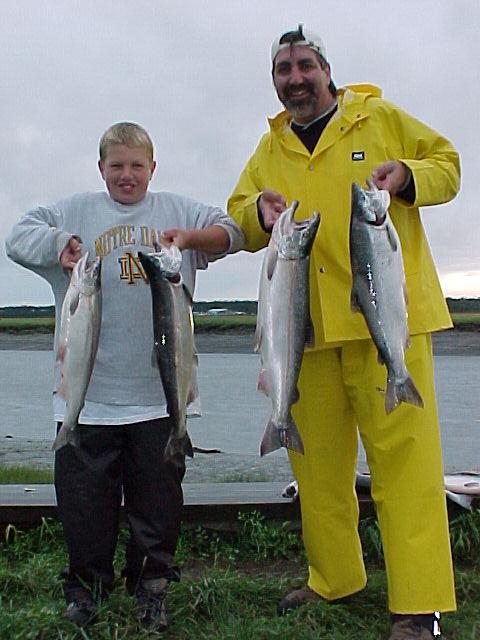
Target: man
{"type": "Point", "coordinates": [124, 426]}
{"type": "Point", "coordinates": [323, 141]}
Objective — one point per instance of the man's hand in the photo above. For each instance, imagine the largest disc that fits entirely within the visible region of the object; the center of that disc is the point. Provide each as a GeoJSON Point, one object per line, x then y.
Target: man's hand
{"type": "Point", "coordinates": [72, 253]}
{"type": "Point", "coordinates": [271, 205]}
{"type": "Point", "coordinates": [393, 176]}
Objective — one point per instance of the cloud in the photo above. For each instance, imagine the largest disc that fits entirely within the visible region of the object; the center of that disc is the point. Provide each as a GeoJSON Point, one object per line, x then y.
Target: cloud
{"type": "Point", "coordinates": [200, 83]}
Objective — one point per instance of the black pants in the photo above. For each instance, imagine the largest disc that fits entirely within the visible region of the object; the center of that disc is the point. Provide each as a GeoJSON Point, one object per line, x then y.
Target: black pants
{"type": "Point", "coordinates": [89, 480]}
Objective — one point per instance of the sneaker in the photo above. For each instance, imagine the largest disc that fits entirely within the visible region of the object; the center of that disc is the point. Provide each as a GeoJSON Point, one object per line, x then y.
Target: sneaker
{"type": "Point", "coordinates": [151, 608]}
{"type": "Point", "coordinates": [296, 599]}
{"type": "Point", "coordinates": [81, 609]}
{"type": "Point", "coordinates": [410, 629]}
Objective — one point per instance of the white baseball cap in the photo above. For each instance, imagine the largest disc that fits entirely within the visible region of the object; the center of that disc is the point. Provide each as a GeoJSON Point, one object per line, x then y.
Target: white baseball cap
{"type": "Point", "coordinates": [300, 36]}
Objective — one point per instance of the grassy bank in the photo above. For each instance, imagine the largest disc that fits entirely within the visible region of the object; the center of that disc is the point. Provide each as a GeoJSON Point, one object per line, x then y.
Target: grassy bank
{"type": "Point", "coordinates": [242, 323]}
{"type": "Point", "coordinates": [230, 587]}
{"type": "Point", "coordinates": [21, 474]}
{"type": "Point", "coordinates": [27, 324]}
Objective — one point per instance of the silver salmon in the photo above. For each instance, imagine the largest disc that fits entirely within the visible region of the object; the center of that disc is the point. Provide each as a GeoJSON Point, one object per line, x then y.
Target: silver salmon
{"type": "Point", "coordinates": [78, 341]}
{"type": "Point", "coordinates": [174, 346]}
{"type": "Point", "coordinates": [379, 289]}
{"type": "Point", "coordinates": [283, 324]}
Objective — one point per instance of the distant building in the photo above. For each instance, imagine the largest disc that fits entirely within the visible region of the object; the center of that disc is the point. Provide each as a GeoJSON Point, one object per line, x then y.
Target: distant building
{"type": "Point", "coordinates": [218, 312]}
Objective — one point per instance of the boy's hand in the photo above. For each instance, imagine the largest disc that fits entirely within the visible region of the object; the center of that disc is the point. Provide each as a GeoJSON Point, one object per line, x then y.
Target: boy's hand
{"type": "Point", "coordinates": [181, 238]}
{"type": "Point", "coordinates": [72, 253]}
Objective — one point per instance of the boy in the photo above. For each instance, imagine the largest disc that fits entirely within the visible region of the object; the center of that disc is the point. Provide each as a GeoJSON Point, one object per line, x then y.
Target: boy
{"type": "Point", "coordinates": [123, 427]}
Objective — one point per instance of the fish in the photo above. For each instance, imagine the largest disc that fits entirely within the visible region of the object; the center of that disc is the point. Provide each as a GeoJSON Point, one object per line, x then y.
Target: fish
{"type": "Point", "coordinates": [284, 325]}
{"type": "Point", "coordinates": [174, 346]}
{"type": "Point", "coordinates": [80, 323]}
{"type": "Point", "coordinates": [379, 289]}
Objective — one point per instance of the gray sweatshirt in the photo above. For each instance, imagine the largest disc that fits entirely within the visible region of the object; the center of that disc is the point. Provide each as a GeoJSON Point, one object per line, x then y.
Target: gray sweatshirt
{"type": "Point", "coordinates": [125, 385]}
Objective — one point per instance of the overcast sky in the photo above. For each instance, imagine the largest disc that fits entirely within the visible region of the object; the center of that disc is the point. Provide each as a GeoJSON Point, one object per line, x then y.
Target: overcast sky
{"type": "Point", "coordinates": [196, 74]}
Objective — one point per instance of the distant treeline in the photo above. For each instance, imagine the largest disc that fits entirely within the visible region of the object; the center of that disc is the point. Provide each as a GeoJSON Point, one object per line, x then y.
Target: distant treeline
{"type": "Point", "coordinates": [456, 305]}
{"type": "Point", "coordinates": [244, 306]}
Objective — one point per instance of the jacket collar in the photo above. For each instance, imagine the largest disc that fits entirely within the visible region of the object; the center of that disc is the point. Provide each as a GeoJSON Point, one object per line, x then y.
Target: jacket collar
{"type": "Point", "coordinates": [352, 110]}
{"type": "Point", "coordinates": [351, 106]}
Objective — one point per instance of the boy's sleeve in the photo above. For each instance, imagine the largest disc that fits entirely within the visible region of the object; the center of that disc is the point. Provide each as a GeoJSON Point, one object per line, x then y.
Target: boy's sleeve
{"type": "Point", "coordinates": [37, 240]}
{"type": "Point", "coordinates": [208, 216]}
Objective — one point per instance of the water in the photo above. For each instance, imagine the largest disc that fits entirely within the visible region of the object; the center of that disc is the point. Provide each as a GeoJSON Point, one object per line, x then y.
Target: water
{"type": "Point", "coordinates": [234, 412]}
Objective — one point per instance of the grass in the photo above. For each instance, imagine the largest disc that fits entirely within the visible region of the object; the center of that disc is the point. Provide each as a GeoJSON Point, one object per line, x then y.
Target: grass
{"type": "Point", "coordinates": [27, 324]}
{"type": "Point", "coordinates": [20, 474]}
{"type": "Point", "coordinates": [243, 323]}
{"type": "Point", "coordinates": [462, 319]}
{"type": "Point", "coordinates": [229, 590]}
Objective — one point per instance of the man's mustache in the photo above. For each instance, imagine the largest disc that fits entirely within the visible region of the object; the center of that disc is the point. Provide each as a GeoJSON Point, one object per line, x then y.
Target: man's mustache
{"type": "Point", "coordinates": [290, 91]}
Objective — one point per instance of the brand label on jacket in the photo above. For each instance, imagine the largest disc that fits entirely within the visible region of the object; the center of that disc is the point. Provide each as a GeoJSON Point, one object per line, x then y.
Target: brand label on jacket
{"type": "Point", "coordinates": [358, 155]}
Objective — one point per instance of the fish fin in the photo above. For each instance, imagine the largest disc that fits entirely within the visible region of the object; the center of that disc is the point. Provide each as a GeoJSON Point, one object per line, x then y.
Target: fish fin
{"type": "Point", "coordinates": [275, 438]}
{"type": "Point", "coordinates": [187, 292]}
{"type": "Point", "coordinates": [66, 435]}
{"type": "Point", "coordinates": [61, 390]}
{"type": "Point", "coordinates": [272, 258]}
{"type": "Point", "coordinates": [309, 333]}
{"type": "Point", "coordinates": [262, 382]}
{"type": "Point", "coordinates": [404, 391]}
{"type": "Point", "coordinates": [295, 396]}
{"type": "Point", "coordinates": [271, 439]}
{"type": "Point", "coordinates": [405, 293]}
{"type": "Point", "coordinates": [153, 358]}
{"type": "Point", "coordinates": [392, 237]}
{"type": "Point", "coordinates": [176, 446]}
{"type": "Point", "coordinates": [61, 352]}
{"type": "Point", "coordinates": [354, 302]}
{"type": "Point", "coordinates": [74, 302]}
{"type": "Point", "coordinates": [257, 342]}
{"type": "Point", "coordinates": [193, 392]}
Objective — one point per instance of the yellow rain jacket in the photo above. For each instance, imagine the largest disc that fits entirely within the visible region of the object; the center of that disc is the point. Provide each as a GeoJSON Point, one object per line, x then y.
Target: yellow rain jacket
{"type": "Point", "coordinates": [364, 132]}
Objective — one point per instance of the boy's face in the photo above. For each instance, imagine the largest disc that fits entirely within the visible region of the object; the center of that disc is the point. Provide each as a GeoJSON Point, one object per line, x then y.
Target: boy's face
{"type": "Point", "coordinates": [127, 172]}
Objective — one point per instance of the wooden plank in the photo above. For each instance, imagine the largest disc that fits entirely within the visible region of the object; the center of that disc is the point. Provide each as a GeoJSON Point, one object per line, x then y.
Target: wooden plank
{"type": "Point", "coordinates": [207, 504]}
{"type": "Point", "coordinates": [211, 503]}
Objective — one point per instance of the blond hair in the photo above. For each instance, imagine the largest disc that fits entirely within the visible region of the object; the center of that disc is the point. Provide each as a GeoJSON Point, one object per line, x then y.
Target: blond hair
{"type": "Point", "coordinates": [127, 133]}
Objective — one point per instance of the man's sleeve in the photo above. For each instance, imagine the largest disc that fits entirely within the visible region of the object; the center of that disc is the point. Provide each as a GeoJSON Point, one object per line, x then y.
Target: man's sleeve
{"type": "Point", "coordinates": [242, 206]}
{"type": "Point", "coordinates": [432, 159]}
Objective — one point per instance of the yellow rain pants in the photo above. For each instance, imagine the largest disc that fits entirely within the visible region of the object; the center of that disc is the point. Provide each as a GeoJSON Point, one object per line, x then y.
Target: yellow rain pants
{"type": "Point", "coordinates": [341, 388]}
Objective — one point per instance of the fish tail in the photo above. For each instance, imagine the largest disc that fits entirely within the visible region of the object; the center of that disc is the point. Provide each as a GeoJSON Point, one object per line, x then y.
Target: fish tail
{"type": "Point", "coordinates": [276, 437]}
{"type": "Point", "coordinates": [176, 446]}
{"type": "Point", "coordinates": [66, 435]}
{"type": "Point", "coordinates": [404, 391]}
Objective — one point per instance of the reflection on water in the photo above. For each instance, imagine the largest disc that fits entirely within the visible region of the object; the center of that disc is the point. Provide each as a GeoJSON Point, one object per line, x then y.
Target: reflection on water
{"type": "Point", "coordinates": [234, 412]}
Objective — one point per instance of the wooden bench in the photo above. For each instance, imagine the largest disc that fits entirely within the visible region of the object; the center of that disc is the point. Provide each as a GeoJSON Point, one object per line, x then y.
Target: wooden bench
{"type": "Point", "coordinates": [207, 504]}
{"type": "Point", "coordinates": [215, 505]}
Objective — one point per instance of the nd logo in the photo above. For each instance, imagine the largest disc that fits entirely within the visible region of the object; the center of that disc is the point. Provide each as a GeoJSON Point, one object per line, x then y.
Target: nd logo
{"type": "Point", "coordinates": [131, 269]}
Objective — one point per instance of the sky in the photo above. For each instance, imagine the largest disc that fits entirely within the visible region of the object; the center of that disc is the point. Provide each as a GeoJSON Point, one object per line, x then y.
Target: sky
{"type": "Point", "coordinates": [196, 75]}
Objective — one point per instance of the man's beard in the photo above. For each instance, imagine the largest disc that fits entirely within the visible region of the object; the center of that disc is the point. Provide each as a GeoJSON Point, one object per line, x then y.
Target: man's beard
{"type": "Point", "coordinates": [305, 108]}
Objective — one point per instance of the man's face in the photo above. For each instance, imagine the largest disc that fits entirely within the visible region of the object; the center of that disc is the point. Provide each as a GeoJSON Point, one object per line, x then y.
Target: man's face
{"type": "Point", "coordinates": [127, 172]}
{"type": "Point", "coordinates": [301, 83]}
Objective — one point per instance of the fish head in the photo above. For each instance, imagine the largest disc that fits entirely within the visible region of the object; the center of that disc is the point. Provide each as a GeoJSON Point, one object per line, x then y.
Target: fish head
{"type": "Point", "coordinates": [86, 275]}
{"type": "Point", "coordinates": [164, 262]}
{"type": "Point", "coordinates": [370, 205]}
{"type": "Point", "coordinates": [294, 239]}
{"type": "Point", "coordinates": [93, 272]}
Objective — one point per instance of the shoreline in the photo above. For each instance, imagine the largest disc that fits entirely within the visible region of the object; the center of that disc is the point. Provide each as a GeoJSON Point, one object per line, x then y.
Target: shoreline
{"type": "Point", "coordinates": [205, 467]}
{"type": "Point", "coordinates": [452, 342]}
